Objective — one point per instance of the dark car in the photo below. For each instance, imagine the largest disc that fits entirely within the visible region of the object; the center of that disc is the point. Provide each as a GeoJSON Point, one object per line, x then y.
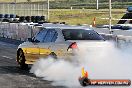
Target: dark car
{"type": "Point", "coordinates": [129, 8]}
{"type": "Point", "coordinates": [121, 27]}
{"type": "Point", "coordinates": [116, 27]}
{"type": "Point", "coordinates": [126, 28]}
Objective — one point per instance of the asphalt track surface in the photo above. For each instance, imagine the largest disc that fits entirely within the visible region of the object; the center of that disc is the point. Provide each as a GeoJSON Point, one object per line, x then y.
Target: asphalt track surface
{"type": "Point", "coordinates": [11, 76]}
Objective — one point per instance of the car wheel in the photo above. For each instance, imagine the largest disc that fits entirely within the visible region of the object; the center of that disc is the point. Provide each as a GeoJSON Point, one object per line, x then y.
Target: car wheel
{"type": "Point", "coordinates": [53, 55]}
{"type": "Point", "coordinates": [21, 60]}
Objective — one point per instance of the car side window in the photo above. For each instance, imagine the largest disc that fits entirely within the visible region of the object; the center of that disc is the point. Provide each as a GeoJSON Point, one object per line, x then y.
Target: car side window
{"type": "Point", "coordinates": [40, 36]}
{"type": "Point", "coordinates": [54, 37]}
{"type": "Point", "coordinates": [51, 36]}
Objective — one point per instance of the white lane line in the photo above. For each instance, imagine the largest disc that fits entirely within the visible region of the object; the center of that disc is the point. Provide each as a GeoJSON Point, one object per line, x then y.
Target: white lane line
{"type": "Point", "coordinates": [7, 57]}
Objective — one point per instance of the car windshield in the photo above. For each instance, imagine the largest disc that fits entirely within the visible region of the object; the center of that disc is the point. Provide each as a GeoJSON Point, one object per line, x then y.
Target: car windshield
{"type": "Point", "coordinates": [80, 34]}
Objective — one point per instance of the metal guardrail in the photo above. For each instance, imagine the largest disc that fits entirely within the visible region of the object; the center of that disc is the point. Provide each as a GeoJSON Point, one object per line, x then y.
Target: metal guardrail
{"type": "Point", "coordinates": [122, 38]}
{"type": "Point", "coordinates": [115, 31]}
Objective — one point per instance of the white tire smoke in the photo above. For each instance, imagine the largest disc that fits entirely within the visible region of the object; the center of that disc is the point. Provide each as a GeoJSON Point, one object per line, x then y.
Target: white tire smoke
{"type": "Point", "coordinates": [105, 62]}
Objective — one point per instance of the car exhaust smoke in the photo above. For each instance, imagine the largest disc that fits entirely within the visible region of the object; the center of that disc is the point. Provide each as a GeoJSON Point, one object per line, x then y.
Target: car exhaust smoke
{"type": "Point", "coordinates": [101, 60]}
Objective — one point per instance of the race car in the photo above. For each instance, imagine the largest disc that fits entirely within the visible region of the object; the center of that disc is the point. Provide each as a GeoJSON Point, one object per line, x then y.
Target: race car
{"type": "Point", "coordinates": [55, 41]}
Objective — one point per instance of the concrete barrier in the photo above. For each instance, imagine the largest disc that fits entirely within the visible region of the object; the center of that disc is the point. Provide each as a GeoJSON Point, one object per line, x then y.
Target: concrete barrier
{"type": "Point", "coordinates": [17, 31]}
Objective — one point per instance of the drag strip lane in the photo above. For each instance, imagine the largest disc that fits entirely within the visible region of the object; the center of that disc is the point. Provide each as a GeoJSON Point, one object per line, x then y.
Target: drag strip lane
{"type": "Point", "coordinates": [7, 57]}
{"type": "Point", "coordinates": [13, 77]}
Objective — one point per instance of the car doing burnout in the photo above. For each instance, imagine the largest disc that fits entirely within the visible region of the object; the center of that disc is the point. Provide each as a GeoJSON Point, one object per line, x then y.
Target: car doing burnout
{"type": "Point", "coordinates": [54, 41]}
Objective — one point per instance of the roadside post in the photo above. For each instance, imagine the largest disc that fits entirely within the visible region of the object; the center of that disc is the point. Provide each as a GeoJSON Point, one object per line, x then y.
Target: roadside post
{"type": "Point", "coordinates": [31, 28]}
{"type": "Point", "coordinates": [48, 10]}
{"type": "Point", "coordinates": [97, 4]}
{"type": "Point", "coordinates": [110, 17]}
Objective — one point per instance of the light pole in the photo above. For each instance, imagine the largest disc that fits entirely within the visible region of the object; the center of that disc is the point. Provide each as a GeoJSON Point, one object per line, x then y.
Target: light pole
{"type": "Point", "coordinates": [48, 10]}
{"type": "Point", "coordinates": [38, 9]}
{"type": "Point", "coordinates": [29, 7]}
{"type": "Point", "coordinates": [8, 7]}
{"type": "Point", "coordinates": [97, 4]}
{"type": "Point", "coordinates": [3, 7]}
{"type": "Point", "coordinates": [14, 12]}
{"type": "Point", "coordinates": [110, 17]}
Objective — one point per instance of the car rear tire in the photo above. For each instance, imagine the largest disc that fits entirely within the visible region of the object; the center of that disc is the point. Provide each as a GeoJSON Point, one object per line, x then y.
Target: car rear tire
{"type": "Point", "coordinates": [21, 60]}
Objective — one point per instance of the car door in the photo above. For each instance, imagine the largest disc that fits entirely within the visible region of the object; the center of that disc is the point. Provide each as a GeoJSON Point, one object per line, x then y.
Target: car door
{"type": "Point", "coordinates": [33, 50]}
{"type": "Point", "coordinates": [49, 39]}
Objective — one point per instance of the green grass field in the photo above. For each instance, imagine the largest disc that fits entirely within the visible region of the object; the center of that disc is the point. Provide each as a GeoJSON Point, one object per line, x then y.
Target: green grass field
{"type": "Point", "coordinates": [84, 16]}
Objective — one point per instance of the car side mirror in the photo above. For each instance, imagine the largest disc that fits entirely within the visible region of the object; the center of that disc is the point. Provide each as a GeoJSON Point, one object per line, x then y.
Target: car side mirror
{"type": "Point", "coordinates": [30, 39]}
